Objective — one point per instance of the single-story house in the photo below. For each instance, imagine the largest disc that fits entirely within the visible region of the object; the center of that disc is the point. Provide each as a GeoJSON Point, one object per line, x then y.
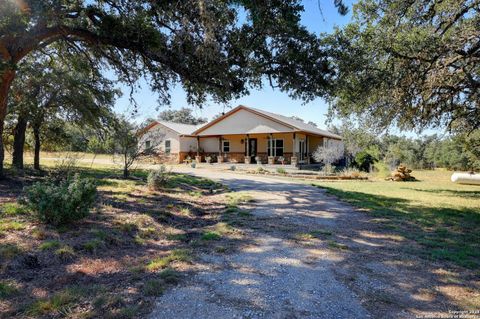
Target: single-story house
{"type": "Point", "coordinates": [242, 135]}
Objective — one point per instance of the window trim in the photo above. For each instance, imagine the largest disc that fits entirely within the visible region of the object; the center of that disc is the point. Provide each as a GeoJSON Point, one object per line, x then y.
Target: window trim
{"type": "Point", "coordinates": [168, 149]}
{"type": "Point", "coordinates": [223, 146]}
{"type": "Point", "coordinates": [274, 141]}
{"type": "Point", "coordinates": [148, 144]}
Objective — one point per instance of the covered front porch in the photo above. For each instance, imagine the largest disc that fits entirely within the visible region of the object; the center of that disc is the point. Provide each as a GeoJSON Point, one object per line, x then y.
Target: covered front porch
{"type": "Point", "coordinates": [292, 148]}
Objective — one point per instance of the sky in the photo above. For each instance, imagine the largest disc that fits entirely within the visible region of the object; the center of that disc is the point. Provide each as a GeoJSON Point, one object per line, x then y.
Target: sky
{"type": "Point", "coordinates": [319, 16]}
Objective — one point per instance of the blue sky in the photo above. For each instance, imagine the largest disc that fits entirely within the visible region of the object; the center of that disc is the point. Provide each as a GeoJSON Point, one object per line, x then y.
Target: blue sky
{"type": "Point", "coordinates": [267, 98]}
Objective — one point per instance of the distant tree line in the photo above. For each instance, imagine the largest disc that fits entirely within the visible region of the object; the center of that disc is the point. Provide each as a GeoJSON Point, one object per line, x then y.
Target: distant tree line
{"type": "Point", "coordinates": [363, 149]}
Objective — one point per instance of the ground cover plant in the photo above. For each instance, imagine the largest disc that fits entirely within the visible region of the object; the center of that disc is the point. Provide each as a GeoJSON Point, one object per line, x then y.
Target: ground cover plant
{"type": "Point", "coordinates": [443, 218]}
{"type": "Point", "coordinates": [135, 243]}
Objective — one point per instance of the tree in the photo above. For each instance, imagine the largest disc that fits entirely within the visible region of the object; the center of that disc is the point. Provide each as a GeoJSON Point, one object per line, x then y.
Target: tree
{"type": "Point", "coordinates": [205, 46]}
{"type": "Point", "coordinates": [52, 89]}
{"type": "Point", "coordinates": [128, 146]}
{"type": "Point", "coordinates": [414, 64]}
{"type": "Point", "coordinates": [328, 155]}
{"type": "Point", "coordinates": [183, 115]}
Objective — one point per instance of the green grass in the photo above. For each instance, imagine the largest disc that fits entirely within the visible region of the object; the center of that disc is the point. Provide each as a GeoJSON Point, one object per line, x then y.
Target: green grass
{"type": "Point", "coordinates": [49, 244]}
{"type": "Point", "coordinates": [93, 245]}
{"type": "Point", "coordinates": [154, 287]}
{"type": "Point", "coordinates": [7, 290]}
{"type": "Point", "coordinates": [8, 251]}
{"type": "Point", "coordinates": [200, 182]}
{"type": "Point", "coordinates": [211, 235]}
{"type": "Point", "coordinates": [163, 262]}
{"type": "Point", "coordinates": [12, 209]}
{"type": "Point", "coordinates": [10, 225]}
{"type": "Point", "coordinates": [58, 303]}
{"type": "Point", "coordinates": [65, 252]}
{"type": "Point", "coordinates": [441, 216]}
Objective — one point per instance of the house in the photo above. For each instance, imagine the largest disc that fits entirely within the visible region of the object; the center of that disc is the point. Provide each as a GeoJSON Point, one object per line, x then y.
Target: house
{"type": "Point", "coordinates": [168, 140]}
{"type": "Point", "coordinates": [244, 135]}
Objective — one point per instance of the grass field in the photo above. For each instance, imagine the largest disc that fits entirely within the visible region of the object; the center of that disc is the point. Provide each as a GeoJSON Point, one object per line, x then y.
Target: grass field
{"type": "Point", "coordinates": [443, 217]}
{"type": "Point", "coordinates": [134, 244]}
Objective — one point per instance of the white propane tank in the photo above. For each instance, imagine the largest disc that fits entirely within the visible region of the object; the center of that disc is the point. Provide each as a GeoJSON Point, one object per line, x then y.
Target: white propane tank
{"type": "Point", "coordinates": [466, 178]}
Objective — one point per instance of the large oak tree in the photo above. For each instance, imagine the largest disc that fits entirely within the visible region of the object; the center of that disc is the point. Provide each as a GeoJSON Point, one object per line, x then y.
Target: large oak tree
{"type": "Point", "coordinates": [413, 63]}
{"type": "Point", "coordinates": [211, 47]}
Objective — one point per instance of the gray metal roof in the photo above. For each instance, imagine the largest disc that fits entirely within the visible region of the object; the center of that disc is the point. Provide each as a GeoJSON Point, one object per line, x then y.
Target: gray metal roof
{"type": "Point", "coordinates": [182, 129]}
{"type": "Point", "coordinates": [299, 125]}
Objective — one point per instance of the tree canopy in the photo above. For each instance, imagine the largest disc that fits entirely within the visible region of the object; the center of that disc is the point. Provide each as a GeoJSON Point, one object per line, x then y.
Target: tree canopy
{"type": "Point", "coordinates": [411, 63]}
{"type": "Point", "coordinates": [184, 115]}
{"type": "Point", "coordinates": [211, 48]}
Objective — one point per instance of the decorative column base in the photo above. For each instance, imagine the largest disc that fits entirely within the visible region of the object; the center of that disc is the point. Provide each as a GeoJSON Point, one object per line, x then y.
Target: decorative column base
{"type": "Point", "coordinates": [271, 160]}
{"type": "Point", "coordinates": [198, 158]}
{"type": "Point", "coordinates": [248, 159]}
{"type": "Point", "coordinates": [220, 158]}
{"type": "Point", "coordinates": [294, 161]}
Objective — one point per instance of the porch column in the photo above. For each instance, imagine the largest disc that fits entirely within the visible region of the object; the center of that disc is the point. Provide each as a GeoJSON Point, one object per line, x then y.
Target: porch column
{"type": "Point", "coordinates": [247, 148]}
{"type": "Point", "coordinates": [220, 156]}
{"type": "Point", "coordinates": [198, 146]}
{"type": "Point", "coordinates": [294, 144]}
{"type": "Point", "coordinates": [271, 157]}
{"type": "Point", "coordinates": [198, 158]}
{"type": "Point", "coordinates": [294, 158]}
{"type": "Point", "coordinates": [307, 148]}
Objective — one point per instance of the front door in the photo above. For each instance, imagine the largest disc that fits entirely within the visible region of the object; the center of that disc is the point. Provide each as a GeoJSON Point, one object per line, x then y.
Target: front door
{"type": "Point", "coordinates": [301, 150]}
{"type": "Point", "coordinates": [252, 146]}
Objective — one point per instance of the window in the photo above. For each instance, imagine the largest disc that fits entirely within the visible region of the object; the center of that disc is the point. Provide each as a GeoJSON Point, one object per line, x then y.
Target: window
{"type": "Point", "coordinates": [167, 147]}
{"type": "Point", "coordinates": [225, 146]}
{"type": "Point", "coordinates": [147, 144]}
{"type": "Point", "coordinates": [277, 147]}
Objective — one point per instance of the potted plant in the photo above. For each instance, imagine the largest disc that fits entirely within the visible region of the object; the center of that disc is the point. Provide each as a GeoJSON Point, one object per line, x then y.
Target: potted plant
{"type": "Point", "coordinates": [208, 159]}
{"type": "Point", "coordinates": [281, 159]}
{"type": "Point", "coordinates": [258, 159]}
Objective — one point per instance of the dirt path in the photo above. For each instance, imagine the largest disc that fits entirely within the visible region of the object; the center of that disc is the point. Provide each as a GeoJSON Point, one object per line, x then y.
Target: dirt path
{"type": "Point", "coordinates": [350, 268]}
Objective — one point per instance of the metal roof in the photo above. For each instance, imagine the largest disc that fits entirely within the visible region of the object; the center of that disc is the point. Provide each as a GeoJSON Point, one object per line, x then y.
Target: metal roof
{"type": "Point", "coordinates": [182, 129]}
{"type": "Point", "coordinates": [299, 125]}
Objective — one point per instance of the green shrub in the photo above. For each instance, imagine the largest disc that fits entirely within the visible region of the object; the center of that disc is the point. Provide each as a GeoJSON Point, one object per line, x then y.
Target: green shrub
{"type": "Point", "coordinates": [63, 202]}
{"type": "Point", "coordinates": [281, 171]}
{"type": "Point", "coordinates": [158, 179]}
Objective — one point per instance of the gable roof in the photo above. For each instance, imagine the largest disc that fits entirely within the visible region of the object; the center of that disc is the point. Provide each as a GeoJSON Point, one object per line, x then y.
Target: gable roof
{"type": "Point", "coordinates": [296, 125]}
{"type": "Point", "coordinates": [181, 129]}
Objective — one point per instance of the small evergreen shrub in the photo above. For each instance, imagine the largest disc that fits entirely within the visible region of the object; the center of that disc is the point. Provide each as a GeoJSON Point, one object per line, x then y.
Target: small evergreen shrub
{"type": "Point", "coordinates": [63, 202]}
{"type": "Point", "coordinates": [281, 171]}
{"type": "Point", "coordinates": [158, 179]}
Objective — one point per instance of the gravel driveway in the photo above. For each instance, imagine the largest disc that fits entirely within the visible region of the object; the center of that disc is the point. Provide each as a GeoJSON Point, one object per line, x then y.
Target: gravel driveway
{"type": "Point", "coordinates": [352, 269]}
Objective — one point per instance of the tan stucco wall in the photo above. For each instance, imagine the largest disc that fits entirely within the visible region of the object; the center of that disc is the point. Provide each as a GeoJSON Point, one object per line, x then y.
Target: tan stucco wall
{"type": "Point", "coordinates": [158, 135]}
{"type": "Point", "coordinates": [188, 144]}
{"type": "Point", "coordinates": [244, 122]}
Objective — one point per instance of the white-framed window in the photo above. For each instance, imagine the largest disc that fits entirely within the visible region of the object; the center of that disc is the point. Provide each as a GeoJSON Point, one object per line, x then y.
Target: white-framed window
{"type": "Point", "coordinates": [168, 146]}
{"type": "Point", "coordinates": [277, 147]}
{"type": "Point", "coordinates": [148, 144]}
{"type": "Point", "coordinates": [225, 146]}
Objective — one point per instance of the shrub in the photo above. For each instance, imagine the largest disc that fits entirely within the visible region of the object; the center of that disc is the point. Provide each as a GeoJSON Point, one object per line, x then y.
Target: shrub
{"type": "Point", "coordinates": [61, 203]}
{"type": "Point", "coordinates": [158, 179]}
{"type": "Point", "coordinates": [233, 167]}
{"type": "Point", "coordinates": [281, 171]}
{"type": "Point", "coordinates": [351, 172]}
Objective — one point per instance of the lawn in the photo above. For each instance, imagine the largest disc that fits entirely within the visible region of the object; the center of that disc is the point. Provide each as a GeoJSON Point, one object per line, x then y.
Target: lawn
{"type": "Point", "coordinates": [442, 217]}
{"type": "Point", "coordinates": [135, 243]}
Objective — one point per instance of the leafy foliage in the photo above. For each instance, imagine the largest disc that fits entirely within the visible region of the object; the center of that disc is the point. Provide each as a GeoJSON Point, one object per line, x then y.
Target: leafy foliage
{"type": "Point", "coordinates": [62, 203]}
{"type": "Point", "coordinates": [411, 63]}
{"type": "Point", "coordinates": [183, 115]}
{"type": "Point", "coordinates": [159, 178]}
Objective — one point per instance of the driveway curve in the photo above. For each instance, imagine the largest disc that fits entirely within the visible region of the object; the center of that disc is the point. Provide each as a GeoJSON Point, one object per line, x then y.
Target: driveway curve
{"type": "Point", "coordinates": [309, 255]}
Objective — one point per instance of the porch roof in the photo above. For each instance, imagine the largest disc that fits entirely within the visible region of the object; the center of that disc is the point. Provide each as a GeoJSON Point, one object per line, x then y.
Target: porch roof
{"type": "Point", "coordinates": [263, 125]}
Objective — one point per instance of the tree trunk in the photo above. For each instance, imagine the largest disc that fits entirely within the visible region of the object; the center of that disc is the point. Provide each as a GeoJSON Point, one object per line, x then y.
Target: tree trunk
{"type": "Point", "coordinates": [5, 84]}
{"type": "Point", "coordinates": [19, 141]}
{"type": "Point", "coordinates": [36, 158]}
{"type": "Point", "coordinates": [125, 172]}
